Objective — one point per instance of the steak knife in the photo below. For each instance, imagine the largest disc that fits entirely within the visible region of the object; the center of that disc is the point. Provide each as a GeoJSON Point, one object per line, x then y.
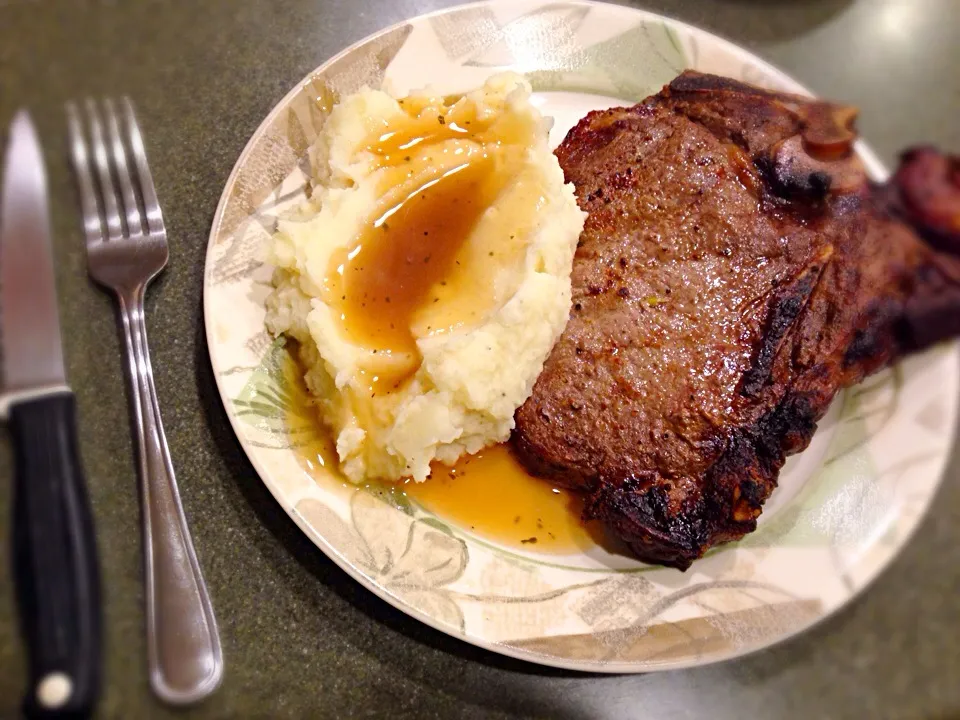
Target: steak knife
{"type": "Point", "coordinates": [54, 553]}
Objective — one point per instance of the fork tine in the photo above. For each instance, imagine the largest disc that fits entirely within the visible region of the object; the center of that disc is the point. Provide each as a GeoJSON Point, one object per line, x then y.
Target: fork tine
{"type": "Point", "coordinates": [134, 222]}
{"type": "Point", "coordinates": [108, 193]}
{"type": "Point", "coordinates": [92, 226]}
{"type": "Point", "coordinates": [151, 204]}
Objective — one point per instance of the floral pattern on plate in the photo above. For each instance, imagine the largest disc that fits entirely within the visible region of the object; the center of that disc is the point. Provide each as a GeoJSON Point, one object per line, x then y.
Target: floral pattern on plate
{"type": "Point", "coordinates": [843, 509]}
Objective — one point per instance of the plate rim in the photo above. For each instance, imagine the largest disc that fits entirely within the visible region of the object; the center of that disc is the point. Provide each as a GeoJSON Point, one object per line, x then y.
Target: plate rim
{"type": "Point", "coordinates": [875, 168]}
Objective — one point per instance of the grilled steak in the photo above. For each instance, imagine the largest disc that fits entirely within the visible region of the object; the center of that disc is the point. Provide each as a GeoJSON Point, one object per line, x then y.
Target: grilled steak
{"type": "Point", "coordinates": [736, 270]}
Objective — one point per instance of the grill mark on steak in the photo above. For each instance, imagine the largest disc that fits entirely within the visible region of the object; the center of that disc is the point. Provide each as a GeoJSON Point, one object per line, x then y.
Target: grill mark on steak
{"type": "Point", "coordinates": [785, 307]}
{"type": "Point", "coordinates": [736, 269]}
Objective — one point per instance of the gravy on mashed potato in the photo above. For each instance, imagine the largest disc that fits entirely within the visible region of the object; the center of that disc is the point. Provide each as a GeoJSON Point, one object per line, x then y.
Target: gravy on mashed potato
{"type": "Point", "coordinates": [429, 276]}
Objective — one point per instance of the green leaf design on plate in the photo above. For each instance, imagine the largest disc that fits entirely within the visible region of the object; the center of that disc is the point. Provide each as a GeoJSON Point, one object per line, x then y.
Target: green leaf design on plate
{"type": "Point", "coordinates": [842, 501]}
{"type": "Point", "coordinates": [390, 494]}
{"type": "Point", "coordinates": [545, 37]}
{"type": "Point", "coordinates": [463, 31]}
{"type": "Point", "coordinates": [436, 604]}
{"type": "Point", "coordinates": [335, 531]}
{"type": "Point", "coordinates": [631, 65]}
{"type": "Point", "coordinates": [437, 524]}
{"type": "Point", "coordinates": [276, 402]}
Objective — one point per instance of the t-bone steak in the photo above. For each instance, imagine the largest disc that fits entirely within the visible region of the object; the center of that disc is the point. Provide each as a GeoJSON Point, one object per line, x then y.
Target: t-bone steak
{"type": "Point", "coordinates": [736, 270]}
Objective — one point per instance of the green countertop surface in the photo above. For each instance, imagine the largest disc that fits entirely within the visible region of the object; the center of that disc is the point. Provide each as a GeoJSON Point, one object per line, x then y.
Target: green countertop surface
{"type": "Point", "coordinates": [301, 639]}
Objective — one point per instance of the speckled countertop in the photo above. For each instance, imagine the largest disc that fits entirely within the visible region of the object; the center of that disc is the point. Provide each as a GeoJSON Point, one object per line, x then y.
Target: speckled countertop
{"type": "Point", "coordinates": [301, 639]}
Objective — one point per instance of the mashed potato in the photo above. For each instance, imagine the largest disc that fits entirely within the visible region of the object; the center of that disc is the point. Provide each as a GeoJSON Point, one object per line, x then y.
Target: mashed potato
{"type": "Point", "coordinates": [429, 276]}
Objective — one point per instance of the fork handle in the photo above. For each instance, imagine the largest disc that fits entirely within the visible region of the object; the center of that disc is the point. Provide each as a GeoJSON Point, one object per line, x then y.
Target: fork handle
{"type": "Point", "coordinates": [184, 655]}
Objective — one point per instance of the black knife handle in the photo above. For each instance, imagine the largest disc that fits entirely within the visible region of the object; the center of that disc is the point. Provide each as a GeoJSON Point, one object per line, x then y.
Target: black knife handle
{"type": "Point", "coordinates": [55, 561]}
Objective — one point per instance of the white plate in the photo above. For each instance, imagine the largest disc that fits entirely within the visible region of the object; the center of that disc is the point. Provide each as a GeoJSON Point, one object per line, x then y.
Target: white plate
{"type": "Point", "coordinates": [844, 507]}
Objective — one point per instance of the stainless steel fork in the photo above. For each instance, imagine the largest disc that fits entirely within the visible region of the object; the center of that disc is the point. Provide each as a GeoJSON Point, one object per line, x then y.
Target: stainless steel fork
{"type": "Point", "coordinates": [126, 249]}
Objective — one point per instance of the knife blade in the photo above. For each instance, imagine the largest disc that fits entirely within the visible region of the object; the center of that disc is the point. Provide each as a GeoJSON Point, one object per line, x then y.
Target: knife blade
{"type": "Point", "coordinates": [29, 323]}
{"type": "Point", "coordinates": [54, 552]}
